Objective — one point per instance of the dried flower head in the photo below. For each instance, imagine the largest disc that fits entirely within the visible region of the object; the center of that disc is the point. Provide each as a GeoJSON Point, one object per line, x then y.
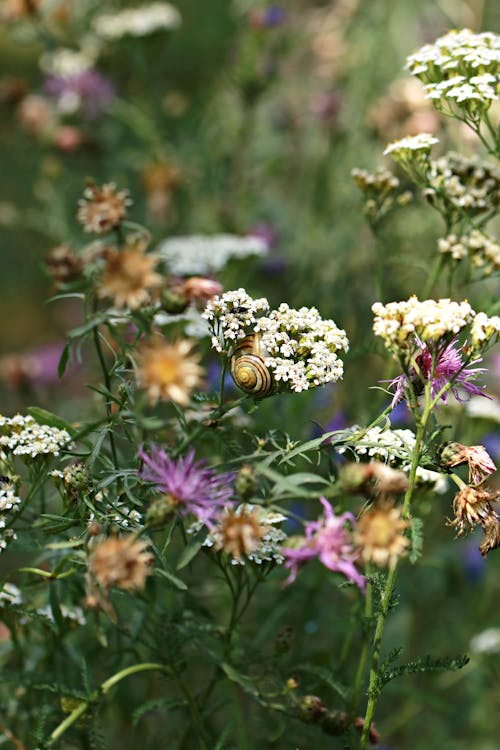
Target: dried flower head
{"type": "Point", "coordinates": [374, 478]}
{"type": "Point", "coordinates": [491, 538]}
{"type": "Point", "coordinates": [129, 276]}
{"type": "Point", "coordinates": [476, 456]}
{"type": "Point", "coordinates": [63, 264]}
{"type": "Point", "coordinates": [102, 208]}
{"type": "Point", "coordinates": [121, 561]}
{"type": "Point", "coordinates": [473, 505]}
{"type": "Point", "coordinates": [249, 531]}
{"type": "Point", "coordinates": [168, 372]}
{"type": "Point", "coordinates": [379, 534]}
{"type": "Point", "coordinates": [200, 289]}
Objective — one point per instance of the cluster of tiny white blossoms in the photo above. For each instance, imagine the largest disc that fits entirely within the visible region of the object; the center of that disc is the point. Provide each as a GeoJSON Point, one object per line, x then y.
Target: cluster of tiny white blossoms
{"type": "Point", "coordinates": [394, 447]}
{"type": "Point", "coordinates": [205, 254]}
{"type": "Point", "coordinates": [422, 142]}
{"type": "Point", "coordinates": [399, 322]}
{"type": "Point", "coordinates": [66, 62]}
{"type": "Point", "coordinates": [9, 502]}
{"type": "Point", "coordinates": [483, 330]}
{"type": "Point", "coordinates": [23, 436]}
{"type": "Point", "coordinates": [117, 513]}
{"type": "Point", "coordinates": [73, 614]}
{"type": "Point", "coordinates": [10, 595]}
{"type": "Point", "coordinates": [459, 67]}
{"type": "Point", "coordinates": [301, 348]}
{"type": "Point", "coordinates": [137, 21]}
{"type": "Point", "coordinates": [468, 184]}
{"type": "Point", "coordinates": [270, 543]}
{"type": "Point", "coordinates": [231, 316]}
{"type": "Point", "coordinates": [480, 248]}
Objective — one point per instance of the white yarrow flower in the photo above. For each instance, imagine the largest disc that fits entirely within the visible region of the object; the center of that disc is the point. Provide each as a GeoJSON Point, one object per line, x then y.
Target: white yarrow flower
{"type": "Point", "coordinates": [206, 254]}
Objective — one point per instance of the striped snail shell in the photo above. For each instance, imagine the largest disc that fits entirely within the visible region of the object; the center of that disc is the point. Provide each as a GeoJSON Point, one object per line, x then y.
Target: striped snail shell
{"type": "Point", "coordinates": [248, 369]}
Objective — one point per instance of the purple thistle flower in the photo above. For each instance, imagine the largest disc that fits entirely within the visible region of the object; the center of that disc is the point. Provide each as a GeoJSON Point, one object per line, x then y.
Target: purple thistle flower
{"type": "Point", "coordinates": [328, 540]}
{"type": "Point", "coordinates": [449, 367]}
{"type": "Point", "coordinates": [192, 487]}
{"type": "Point", "coordinates": [88, 91]}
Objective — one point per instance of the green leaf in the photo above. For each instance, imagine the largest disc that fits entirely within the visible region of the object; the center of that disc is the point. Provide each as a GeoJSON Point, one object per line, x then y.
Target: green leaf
{"type": "Point", "coordinates": [417, 539]}
{"type": "Point", "coordinates": [246, 683]}
{"type": "Point", "coordinates": [189, 552]}
{"type": "Point", "coordinates": [63, 360]}
{"type": "Point", "coordinates": [42, 416]}
{"type": "Point", "coordinates": [170, 576]}
{"type": "Point", "coordinates": [326, 676]}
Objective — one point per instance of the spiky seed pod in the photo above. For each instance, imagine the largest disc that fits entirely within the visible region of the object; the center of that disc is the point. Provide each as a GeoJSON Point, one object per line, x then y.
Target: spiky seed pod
{"type": "Point", "coordinates": [248, 369]}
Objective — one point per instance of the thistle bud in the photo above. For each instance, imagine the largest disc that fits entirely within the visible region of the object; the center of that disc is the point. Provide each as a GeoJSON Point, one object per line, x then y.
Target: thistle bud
{"type": "Point", "coordinates": [174, 301]}
{"type": "Point", "coordinates": [245, 483]}
{"type": "Point", "coordinates": [311, 709]}
{"type": "Point", "coordinates": [160, 510]}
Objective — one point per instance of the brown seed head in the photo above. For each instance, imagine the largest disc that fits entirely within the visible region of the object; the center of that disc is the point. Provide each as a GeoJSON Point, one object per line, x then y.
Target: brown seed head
{"type": "Point", "coordinates": [240, 532]}
{"type": "Point", "coordinates": [168, 371]}
{"type": "Point", "coordinates": [476, 456]}
{"type": "Point", "coordinates": [102, 208]}
{"type": "Point", "coordinates": [472, 505]}
{"type": "Point", "coordinates": [129, 276]}
{"type": "Point", "coordinates": [379, 534]}
{"type": "Point", "coordinates": [121, 562]}
{"type": "Point", "coordinates": [491, 538]}
{"type": "Point", "coordinates": [63, 264]}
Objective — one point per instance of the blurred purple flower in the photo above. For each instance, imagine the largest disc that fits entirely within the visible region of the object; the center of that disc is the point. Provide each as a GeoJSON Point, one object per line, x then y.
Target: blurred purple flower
{"type": "Point", "coordinates": [89, 92]}
{"type": "Point", "coordinates": [191, 486]}
{"type": "Point", "coordinates": [267, 233]}
{"type": "Point", "coordinates": [329, 541]}
{"type": "Point", "coordinates": [213, 373]}
{"type": "Point", "coordinates": [34, 367]}
{"type": "Point", "coordinates": [491, 442]}
{"type": "Point", "coordinates": [267, 18]}
{"type": "Point", "coordinates": [473, 561]}
{"type": "Point", "coordinates": [449, 367]}
{"type": "Point", "coordinates": [326, 106]}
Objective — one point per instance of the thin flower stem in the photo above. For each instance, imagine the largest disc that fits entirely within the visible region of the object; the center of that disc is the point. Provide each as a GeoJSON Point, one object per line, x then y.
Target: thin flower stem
{"type": "Point", "coordinates": [373, 691]}
{"type": "Point", "coordinates": [104, 688]}
{"type": "Point", "coordinates": [107, 383]}
{"type": "Point", "coordinates": [433, 277]}
{"type": "Point", "coordinates": [358, 681]}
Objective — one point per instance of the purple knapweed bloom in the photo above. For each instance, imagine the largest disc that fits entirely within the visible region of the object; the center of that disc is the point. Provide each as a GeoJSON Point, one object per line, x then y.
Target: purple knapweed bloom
{"type": "Point", "coordinates": [329, 541]}
{"type": "Point", "coordinates": [88, 91]}
{"type": "Point", "coordinates": [191, 486]}
{"type": "Point", "coordinates": [449, 368]}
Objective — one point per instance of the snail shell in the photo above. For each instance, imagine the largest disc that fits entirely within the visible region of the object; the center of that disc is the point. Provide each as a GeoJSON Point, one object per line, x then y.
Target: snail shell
{"type": "Point", "coordinates": [248, 369]}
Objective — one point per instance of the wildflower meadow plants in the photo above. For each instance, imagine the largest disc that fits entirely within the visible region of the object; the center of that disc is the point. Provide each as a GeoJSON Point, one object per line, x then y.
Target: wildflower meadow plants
{"type": "Point", "coordinates": [166, 553]}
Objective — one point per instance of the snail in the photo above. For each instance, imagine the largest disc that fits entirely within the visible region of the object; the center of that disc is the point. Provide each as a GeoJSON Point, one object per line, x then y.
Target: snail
{"type": "Point", "coordinates": [248, 369]}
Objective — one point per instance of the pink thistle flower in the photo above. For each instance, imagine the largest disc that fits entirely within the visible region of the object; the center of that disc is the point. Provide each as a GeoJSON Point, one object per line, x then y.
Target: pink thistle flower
{"type": "Point", "coordinates": [449, 367]}
{"type": "Point", "coordinates": [190, 485]}
{"type": "Point", "coordinates": [329, 540]}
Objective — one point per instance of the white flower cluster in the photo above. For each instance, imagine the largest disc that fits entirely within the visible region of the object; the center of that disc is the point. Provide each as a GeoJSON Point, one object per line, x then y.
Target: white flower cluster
{"type": "Point", "coordinates": [301, 348]}
{"type": "Point", "coordinates": [422, 142]}
{"type": "Point", "coordinates": [23, 436]}
{"type": "Point", "coordinates": [10, 594]}
{"type": "Point", "coordinates": [482, 408]}
{"type": "Point", "coordinates": [394, 447]}
{"type": "Point", "coordinates": [195, 327]}
{"type": "Point", "coordinates": [66, 62]}
{"type": "Point", "coordinates": [73, 614]}
{"type": "Point", "coordinates": [202, 254]}
{"type": "Point", "coordinates": [429, 319]}
{"type": "Point", "coordinates": [137, 21]}
{"type": "Point", "coordinates": [231, 316]}
{"type": "Point", "coordinates": [298, 346]}
{"type": "Point", "coordinates": [9, 502]}
{"type": "Point", "coordinates": [486, 642]}
{"type": "Point", "coordinates": [464, 183]}
{"type": "Point", "coordinates": [483, 329]}
{"type": "Point", "coordinates": [481, 249]}
{"type": "Point", "coordinates": [459, 67]}
{"type": "Point", "coordinates": [269, 546]}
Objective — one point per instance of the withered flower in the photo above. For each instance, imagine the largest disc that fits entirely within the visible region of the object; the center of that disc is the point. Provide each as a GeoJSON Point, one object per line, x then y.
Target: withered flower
{"type": "Point", "coordinates": [473, 505]}
{"type": "Point", "coordinates": [102, 208]}
{"type": "Point", "coordinates": [63, 264]}
{"type": "Point", "coordinates": [240, 532]}
{"type": "Point", "coordinates": [379, 534]}
{"type": "Point", "coordinates": [491, 538]}
{"type": "Point", "coordinates": [121, 562]}
{"type": "Point", "coordinates": [373, 478]}
{"type": "Point", "coordinates": [129, 276]}
{"type": "Point", "coordinates": [168, 371]}
{"type": "Point", "coordinates": [200, 289]}
{"type": "Point", "coordinates": [476, 456]}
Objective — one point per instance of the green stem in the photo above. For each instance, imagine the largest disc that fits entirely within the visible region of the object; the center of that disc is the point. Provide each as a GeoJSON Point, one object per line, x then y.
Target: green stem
{"type": "Point", "coordinates": [373, 691]}
{"type": "Point", "coordinates": [107, 383]}
{"type": "Point", "coordinates": [433, 277]}
{"type": "Point", "coordinates": [358, 681]}
{"type": "Point", "coordinates": [105, 687]}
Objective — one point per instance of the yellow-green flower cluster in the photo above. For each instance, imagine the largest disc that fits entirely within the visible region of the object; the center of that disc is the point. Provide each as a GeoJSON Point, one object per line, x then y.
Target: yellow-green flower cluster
{"type": "Point", "coordinates": [482, 250]}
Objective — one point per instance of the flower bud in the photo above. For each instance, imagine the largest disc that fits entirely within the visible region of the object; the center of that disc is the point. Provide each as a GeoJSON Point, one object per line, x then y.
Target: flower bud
{"type": "Point", "coordinates": [245, 483]}
{"type": "Point", "coordinates": [311, 709]}
{"type": "Point", "coordinates": [174, 301]}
